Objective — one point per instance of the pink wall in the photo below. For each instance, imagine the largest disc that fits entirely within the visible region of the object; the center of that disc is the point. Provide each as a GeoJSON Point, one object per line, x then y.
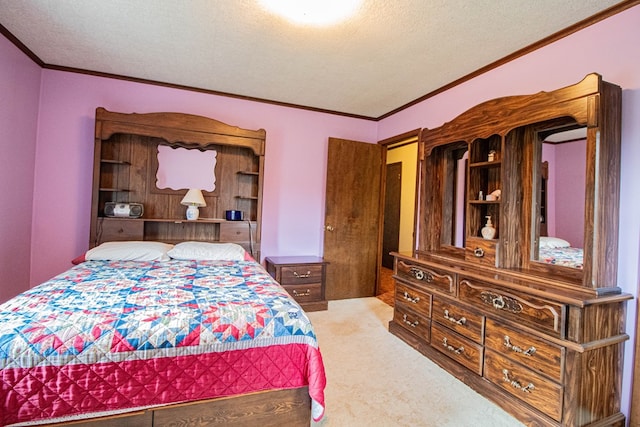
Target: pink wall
{"type": "Point", "coordinates": [20, 89]}
{"type": "Point", "coordinates": [609, 48]}
{"type": "Point", "coordinates": [565, 190]}
{"type": "Point", "coordinates": [296, 148]}
{"type": "Point", "coordinates": [570, 178]}
{"type": "Point", "coordinates": [296, 152]}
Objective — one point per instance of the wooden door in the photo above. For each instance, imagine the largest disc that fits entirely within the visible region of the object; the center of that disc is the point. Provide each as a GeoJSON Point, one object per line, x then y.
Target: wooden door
{"type": "Point", "coordinates": [352, 218]}
{"type": "Point", "coordinates": [392, 193]}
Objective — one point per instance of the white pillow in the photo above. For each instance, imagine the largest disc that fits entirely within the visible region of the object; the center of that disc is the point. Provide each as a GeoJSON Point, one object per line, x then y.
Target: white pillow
{"type": "Point", "coordinates": [130, 251]}
{"type": "Point", "coordinates": [553, 242]}
{"type": "Point", "coordinates": [202, 251]}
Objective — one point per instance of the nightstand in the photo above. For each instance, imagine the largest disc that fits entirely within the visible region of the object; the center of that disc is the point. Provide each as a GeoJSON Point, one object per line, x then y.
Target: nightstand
{"type": "Point", "coordinates": [303, 277]}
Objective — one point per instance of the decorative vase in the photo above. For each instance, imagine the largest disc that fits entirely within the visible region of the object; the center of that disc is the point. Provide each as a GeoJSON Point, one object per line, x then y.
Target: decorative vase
{"type": "Point", "coordinates": [488, 231]}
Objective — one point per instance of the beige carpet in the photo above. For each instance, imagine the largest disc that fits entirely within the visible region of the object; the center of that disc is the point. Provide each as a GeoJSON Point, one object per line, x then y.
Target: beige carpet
{"type": "Point", "coordinates": [375, 379]}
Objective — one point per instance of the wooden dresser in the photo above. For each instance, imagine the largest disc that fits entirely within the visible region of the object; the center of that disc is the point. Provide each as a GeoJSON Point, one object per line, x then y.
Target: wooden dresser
{"type": "Point", "coordinates": [548, 357]}
{"type": "Point", "coordinates": [540, 335]}
{"type": "Point", "coordinates": [303, 277]}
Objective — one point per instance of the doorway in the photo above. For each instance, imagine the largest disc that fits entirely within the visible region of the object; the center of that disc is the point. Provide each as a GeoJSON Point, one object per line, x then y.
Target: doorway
{"type": "Point", "coordinates": [399, 204]}
{"type": "Point", "coordinates": [392, 208]}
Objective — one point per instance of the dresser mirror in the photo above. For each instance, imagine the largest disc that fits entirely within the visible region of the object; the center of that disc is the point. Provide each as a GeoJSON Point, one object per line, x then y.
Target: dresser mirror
{"type": "Point", "coordinates": [455, 179]}
{"type": "Point", "coordinates": [559, 200]}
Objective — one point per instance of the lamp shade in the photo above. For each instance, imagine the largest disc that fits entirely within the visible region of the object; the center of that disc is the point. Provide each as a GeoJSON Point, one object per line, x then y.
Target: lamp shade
{"type": "Point", "coordinates": [193, 198]}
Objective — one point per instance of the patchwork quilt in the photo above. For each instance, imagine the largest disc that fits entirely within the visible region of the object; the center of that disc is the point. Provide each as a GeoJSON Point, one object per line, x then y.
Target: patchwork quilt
{"type": "Point", "coordinates": [567, 257]}
{"type": "Point", "coordinates": [116, 336]}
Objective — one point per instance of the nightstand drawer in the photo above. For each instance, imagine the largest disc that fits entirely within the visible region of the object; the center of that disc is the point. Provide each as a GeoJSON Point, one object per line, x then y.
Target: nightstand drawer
{"type": "Point", "coordinates": [305, 293]}
{"type": "Point", "coordinates": [303, 277]}
{"type": "Point", "coordinates": [298, 274]}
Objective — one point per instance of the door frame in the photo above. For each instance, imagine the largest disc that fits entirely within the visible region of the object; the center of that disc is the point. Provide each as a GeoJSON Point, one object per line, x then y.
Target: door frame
{"type": "Point", "coordinates": [414, 136]}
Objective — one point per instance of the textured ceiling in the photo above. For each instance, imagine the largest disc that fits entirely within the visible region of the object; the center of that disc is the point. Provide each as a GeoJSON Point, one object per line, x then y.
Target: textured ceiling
{"type": "Point", "coordinates": [391, 53]}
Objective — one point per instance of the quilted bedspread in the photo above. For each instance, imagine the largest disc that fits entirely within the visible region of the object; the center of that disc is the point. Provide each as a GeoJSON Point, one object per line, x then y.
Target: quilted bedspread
{"type": "Point", "coordinates": [568, 257]}
{"type": "Point", "coordinates": [114, 336]}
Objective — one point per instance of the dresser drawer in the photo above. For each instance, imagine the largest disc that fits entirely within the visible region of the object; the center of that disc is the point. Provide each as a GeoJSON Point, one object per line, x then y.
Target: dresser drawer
{"type": "Point", "coordinates": [411, 321]}
{"type": "Point", "coordinates": [427, 276]}
{"type": "Point", "coordinates": [535, 353]}
{"type": "Point", "coordinates": [457, 347]}
{"type": "Point", "coordinates": [465, 322]}
{"type": "Point", "coordinates": [299, 274]}
{"type": "Point", "coordinates": [419, 301]}
{"type": "Point", "coordinates": [480, 251]}
{"type": "Point", "coordinates": [523, 383]}
{"type": "Point", "coordinates": [305, 293]}
{"type": "Point", "coordinates": [535, 312]}
{"type": "Point", "coordinates": [120, 229]}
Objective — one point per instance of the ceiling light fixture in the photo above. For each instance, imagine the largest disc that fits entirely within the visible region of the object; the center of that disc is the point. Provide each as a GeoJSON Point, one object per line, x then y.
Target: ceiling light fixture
{"type": "Point", "coordinates": [313, 12]}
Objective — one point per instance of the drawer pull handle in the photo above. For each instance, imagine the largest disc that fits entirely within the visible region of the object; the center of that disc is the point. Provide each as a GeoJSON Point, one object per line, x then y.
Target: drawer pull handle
{"type": "Point", "coordinates": [421, 274]}
{"type": "Point", "coordinates": [500, 302]}
{"type": "Point", "coordinates": [408, 297]}
{"type": "Point", "coordinates": [516, 384]}
{"type": "Point", "coordinates": [451, 348]}
{"type": "Point", "coordinates": [302, 276]}
{"type": "Point", "coordinates": [302, 294]}
{"type": "Point", "coordinates": [478, 252]}
{"type": "Point", "coordinates": [452, 319]}
{"type": "Point", "coordinates": [408, 322]}
{"type": "Point", "coordinates": [516, 349]}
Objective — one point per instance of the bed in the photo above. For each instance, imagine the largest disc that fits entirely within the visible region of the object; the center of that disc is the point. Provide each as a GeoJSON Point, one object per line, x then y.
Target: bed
{"type": "Point", "coordinates": [127, 334]}
{"type": "Point", "coordinates": [154, 326]}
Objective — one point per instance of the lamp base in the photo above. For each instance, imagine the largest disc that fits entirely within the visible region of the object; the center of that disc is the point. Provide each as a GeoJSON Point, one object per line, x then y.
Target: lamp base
{"type": "Point", "coordinates": [193, 213]}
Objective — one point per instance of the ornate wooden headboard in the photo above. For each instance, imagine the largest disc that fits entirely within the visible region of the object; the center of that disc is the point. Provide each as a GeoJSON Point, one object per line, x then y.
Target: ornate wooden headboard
{"type": "Point", "coordinates": [125, 167]}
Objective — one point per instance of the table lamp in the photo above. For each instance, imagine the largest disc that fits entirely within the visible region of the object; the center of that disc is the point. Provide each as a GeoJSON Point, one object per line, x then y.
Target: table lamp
{"type": "Point", "coordinates": [193, 200]}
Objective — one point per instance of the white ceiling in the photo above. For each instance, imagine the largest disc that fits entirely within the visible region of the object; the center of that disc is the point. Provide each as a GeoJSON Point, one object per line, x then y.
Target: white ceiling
{"type": "Point", "coordinates": [391, 53]}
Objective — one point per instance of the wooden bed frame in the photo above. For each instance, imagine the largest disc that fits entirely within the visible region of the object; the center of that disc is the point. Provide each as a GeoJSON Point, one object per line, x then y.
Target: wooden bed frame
{"type": "Point", "coordinates": [124, 171]}
{"type": "Point", "coordinates": [271, 408]}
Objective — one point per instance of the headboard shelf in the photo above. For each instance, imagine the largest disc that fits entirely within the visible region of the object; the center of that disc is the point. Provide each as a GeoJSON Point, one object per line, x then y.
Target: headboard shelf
{"type": "Point", "coordinates": [125, 171]}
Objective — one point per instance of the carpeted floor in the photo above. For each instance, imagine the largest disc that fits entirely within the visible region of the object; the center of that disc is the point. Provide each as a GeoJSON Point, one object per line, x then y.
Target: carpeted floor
{"type": "Point", "coordinates": [375, 379]}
